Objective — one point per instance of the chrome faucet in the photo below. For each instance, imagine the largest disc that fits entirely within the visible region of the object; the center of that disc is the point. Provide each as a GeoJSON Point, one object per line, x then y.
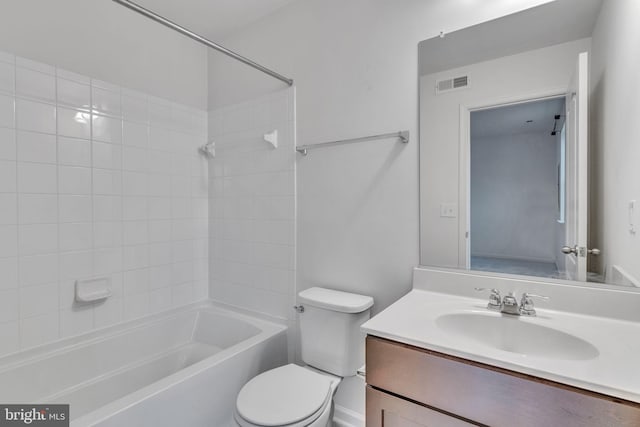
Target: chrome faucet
{"type": "Point", "coordinates": [509, 304]}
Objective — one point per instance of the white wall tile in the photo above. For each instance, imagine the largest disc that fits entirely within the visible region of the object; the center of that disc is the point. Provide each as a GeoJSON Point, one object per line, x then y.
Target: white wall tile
{"type": "Point", "coordinates": [134, 183]}
{"type": "Point", "coordinates": [76, 236]}
{"type": "Point", "coordinates": [36, 147]}
{"type": "Point", "coordinates": [135, 233]}
{"type": "Point", "coordinates": [7, 144]}
{"type": "Point", "coordinates": [135, 257]}
{"type": "Point", "coordinates": [74, 152]}
{"type": "Point", "coordinates": [35, 65]}
{"type": "Point", "coordinates": [35, 84]}
{"type": "Point", "coordinates": [8, 273]}
{"type": "Point", "coordinates": [37, 208]}
{"type": "Point", "coordinates": [70, 75]}
{"type": "Point", "coordinates": [135, 281]}
{"type": "Point", "coordinates": [34, 116]}
{"type": "Point", "coordinates": [107, 129]}
{"type": "Point", "coordinates": [75, 208]}
{"type": "Point", "coordinates": [38, 269]}
{"type": "Point", "coordinates": [73, 94]}
{"type": "Point", "coordinates": [74, 180]}
{"type": "Point", "coordinates": [135, 134]}
{"type": "Point", "coordinates": [74, 123]}
{"type": "Point", "coordinates": [107, 182]}
{"type": "Point", "coordinates": [106, 261]}
{"type": "Point", "coordinates": [106, 155]}
{"type": "Point", "coordinates": [9, 305]}
{"type": "Point", "coordinates": [107, 208]}
{"type": "Point", "coordinates": [39, 330]}
{"type": "Point", "coordinates": [76, 320]}
{"type": "Point", "coordinates": [134, 208]}
{"type": "Point", "coordinates": [35, 239]}
{"type": "Point", "coordinates": [160, 276]}
{"type": "Point", "coordinates": [107, 234]}
{"type": "Point", "coordinates": [8, 240]}
{"type": "Point", "coordinates": [10, 333]}
{"type": "Point", "coordinates": [134, 108]}
{"type": "Point", "coordinates": [136, 306]}
{"type": "Point", "coordinates": [7, 112]}
{"type": "Point", "coordinates": [159, 299]}
{"type": "Point", "coordinates": [108, 313]}
{"type": "Point", "coordinates": [75, 265]}
{"type": "Point", "coordinates": [8, 208]}
{"type": "Point", "coordinates": [7, 176]}
{"type": "Point", "coordinates": [134, 159]}
{"type": "Point", "coordinates": [7, 77]}
{"type": "Point", "coordinates": [75, 202]}
{"type": "Point", "coordinates": [37, 178]}
{"type": "Point", "coordinates": [251, 206]}
{"type": "Point", "coordinates": [106, 101]}
{"type": "Point", "coordinates": [38, 300]}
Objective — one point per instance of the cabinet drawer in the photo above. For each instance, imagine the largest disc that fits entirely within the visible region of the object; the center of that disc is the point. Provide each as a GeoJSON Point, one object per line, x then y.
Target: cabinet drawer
{"type": "Point", "coordinates": [486, 394]}
{"type": "Point", "coordinates": [385, 410]}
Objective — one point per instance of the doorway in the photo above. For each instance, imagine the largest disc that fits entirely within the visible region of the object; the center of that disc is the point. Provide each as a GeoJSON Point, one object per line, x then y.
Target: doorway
{"type": "Point", "coordinates": [517, 188]}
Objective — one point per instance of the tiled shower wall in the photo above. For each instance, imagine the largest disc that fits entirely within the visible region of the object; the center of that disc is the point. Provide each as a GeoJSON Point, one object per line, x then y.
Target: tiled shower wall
{"type": "Point", "coordinates": [252, 206]}
{"type": "Point", "coordinates": [117, 190]}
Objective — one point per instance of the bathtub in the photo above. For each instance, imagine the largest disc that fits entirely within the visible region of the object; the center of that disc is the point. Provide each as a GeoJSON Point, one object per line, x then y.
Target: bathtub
{"type": "Point", "coordinates": [179, 368]}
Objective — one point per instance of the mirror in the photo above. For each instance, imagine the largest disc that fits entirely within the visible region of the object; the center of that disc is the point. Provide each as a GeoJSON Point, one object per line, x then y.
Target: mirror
{"type": "Point", "coordinates": [528, 136]}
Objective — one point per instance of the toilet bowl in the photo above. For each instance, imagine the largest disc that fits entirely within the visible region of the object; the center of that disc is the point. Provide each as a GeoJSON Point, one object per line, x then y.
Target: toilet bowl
{"type": "Point", "coordinates": [290, 395]}
{"type": "Point", "coordinates": [332, 346]}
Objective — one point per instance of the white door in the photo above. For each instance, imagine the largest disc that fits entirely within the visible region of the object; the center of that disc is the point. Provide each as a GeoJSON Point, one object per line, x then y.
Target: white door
{"type": "Point", "coordinates": [576, 171]}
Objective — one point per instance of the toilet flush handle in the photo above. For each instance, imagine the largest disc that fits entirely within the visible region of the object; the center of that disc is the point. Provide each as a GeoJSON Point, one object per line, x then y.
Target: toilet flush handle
{"type": "Point", "coordinates": [298, 308]}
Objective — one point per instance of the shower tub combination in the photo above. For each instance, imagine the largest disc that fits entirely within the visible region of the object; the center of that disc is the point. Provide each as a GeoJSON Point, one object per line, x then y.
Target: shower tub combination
{"type": "Point", "coordinates": [184, 367]}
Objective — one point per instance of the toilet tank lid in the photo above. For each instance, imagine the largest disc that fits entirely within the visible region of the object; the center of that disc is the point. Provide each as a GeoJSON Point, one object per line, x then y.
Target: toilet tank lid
{"type": "Point", "coordinates": [344, 302]}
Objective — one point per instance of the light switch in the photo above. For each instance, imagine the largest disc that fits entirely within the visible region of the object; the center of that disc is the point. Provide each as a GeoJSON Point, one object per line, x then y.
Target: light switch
{"type": "Point", "coordinates": [448, 210]}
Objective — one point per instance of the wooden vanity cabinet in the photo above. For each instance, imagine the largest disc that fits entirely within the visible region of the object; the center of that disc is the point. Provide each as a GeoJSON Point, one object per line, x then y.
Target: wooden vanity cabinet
{"type": "Point", "coordinates": [412, 387]}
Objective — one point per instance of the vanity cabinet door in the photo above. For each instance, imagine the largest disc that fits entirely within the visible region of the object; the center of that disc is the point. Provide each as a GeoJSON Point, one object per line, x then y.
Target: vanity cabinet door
{"type": "Point", "coordinates": [385, 410]}
{"type": "Point", "coordinates": [486, 394]}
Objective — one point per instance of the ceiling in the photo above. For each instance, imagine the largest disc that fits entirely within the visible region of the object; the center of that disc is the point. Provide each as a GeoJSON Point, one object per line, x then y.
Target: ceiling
{"type": "Point", "coordinates": [550, 24]}
{"type": "Point", "coordinates": [513, 119]}
{"type": "Point", "coordinates": [214, 19]}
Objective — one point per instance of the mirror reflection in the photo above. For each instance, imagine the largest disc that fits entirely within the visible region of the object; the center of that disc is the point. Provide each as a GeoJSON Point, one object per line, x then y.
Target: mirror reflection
{"type": "Point", "coordinates": [525, 157]}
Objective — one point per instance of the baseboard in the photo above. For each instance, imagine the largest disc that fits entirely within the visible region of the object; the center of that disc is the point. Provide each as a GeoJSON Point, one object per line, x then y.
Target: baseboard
{"type": "Point", "coordinates": [343, 417]}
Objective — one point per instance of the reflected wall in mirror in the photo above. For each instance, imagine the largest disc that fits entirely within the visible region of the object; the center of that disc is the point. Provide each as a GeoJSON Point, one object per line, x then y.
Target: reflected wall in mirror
{"type": "Point", "coordinates": [529, 140]}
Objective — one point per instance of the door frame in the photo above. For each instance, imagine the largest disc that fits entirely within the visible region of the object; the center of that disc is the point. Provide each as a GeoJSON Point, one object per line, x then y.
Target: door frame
{"type": "Point", "coordinates": [464, 160]}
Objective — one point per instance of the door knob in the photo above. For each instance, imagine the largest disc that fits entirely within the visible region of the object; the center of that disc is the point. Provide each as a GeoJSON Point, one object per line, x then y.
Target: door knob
{"type": "Point", "coordinates": [575, 250]}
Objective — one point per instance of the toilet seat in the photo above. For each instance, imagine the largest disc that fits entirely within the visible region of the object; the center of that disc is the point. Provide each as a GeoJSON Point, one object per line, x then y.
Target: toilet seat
{"type": "Point", "coordinates": [289, 396]}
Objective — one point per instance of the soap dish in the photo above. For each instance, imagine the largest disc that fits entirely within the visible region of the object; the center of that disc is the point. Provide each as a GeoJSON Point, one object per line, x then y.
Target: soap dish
{"type": "Point", "coordinates": [93, 290]}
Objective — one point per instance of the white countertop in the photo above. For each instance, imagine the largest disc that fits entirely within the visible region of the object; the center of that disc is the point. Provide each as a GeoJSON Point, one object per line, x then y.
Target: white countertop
{"type": "Point", "coordinates": [615, 371]}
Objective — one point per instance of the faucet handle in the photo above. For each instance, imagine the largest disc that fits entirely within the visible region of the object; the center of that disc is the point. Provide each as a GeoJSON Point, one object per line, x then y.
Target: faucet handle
{"type": "Point", "coordinates": [526, 303]}
{"type": "Point", "coordinates": [495, 300]}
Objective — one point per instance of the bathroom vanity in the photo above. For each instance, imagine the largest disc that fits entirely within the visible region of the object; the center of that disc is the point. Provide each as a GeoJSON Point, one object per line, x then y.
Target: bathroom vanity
{"type": "Point", "coordinates": [438, 357]}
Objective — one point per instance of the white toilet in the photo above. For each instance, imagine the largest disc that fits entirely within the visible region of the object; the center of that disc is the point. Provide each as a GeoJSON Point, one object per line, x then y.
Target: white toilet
{"type": "Point", "coordinates": [332, 347]}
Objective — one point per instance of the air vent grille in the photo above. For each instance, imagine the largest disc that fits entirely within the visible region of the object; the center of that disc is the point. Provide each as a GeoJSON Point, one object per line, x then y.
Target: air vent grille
{"type": "Point", "coordinates": [455, 83]}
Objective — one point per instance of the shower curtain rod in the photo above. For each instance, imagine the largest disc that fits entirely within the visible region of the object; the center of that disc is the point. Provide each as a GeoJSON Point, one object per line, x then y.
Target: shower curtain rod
{"type": "Point", "coordinates": [164, 21]}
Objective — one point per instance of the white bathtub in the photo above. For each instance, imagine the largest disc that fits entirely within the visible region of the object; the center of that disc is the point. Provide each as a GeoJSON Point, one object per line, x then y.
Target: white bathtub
{"type": "Point", "coordinates": [180, 368]}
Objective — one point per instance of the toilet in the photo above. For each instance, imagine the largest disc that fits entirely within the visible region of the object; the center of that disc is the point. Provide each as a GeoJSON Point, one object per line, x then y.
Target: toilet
{"type": "Point", "coordinates": [332, 347]}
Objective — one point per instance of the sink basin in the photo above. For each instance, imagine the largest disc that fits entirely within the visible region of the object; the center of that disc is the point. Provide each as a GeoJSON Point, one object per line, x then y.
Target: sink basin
{"type": "Point", "coordinates": [516, 335]}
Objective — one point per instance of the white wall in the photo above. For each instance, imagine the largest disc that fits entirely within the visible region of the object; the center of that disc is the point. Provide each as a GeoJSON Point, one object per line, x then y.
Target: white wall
{"type": "Point", "coordinates": [117, 190]}
{"type": "Point", "coordinates": [252, 205]}
{"type": "Point", "coordinates": [615, 67]}
{"type": "Point", "coordinates": [355, 66]}
{"type": "Point", "coordinates": [106, 41]}
{"type": "Point", "coordinates": [518, 76]}
{"type": "Point", "coordinates": [514, 196]}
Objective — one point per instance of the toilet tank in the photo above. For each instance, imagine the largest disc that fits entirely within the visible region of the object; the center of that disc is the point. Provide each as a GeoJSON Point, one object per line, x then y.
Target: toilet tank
{"type": "Point", "coordinates": [331, 339]}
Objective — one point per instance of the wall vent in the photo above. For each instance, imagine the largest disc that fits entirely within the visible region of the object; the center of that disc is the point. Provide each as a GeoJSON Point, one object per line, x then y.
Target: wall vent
{"type": "Point", "coordinates": [449, 85]}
